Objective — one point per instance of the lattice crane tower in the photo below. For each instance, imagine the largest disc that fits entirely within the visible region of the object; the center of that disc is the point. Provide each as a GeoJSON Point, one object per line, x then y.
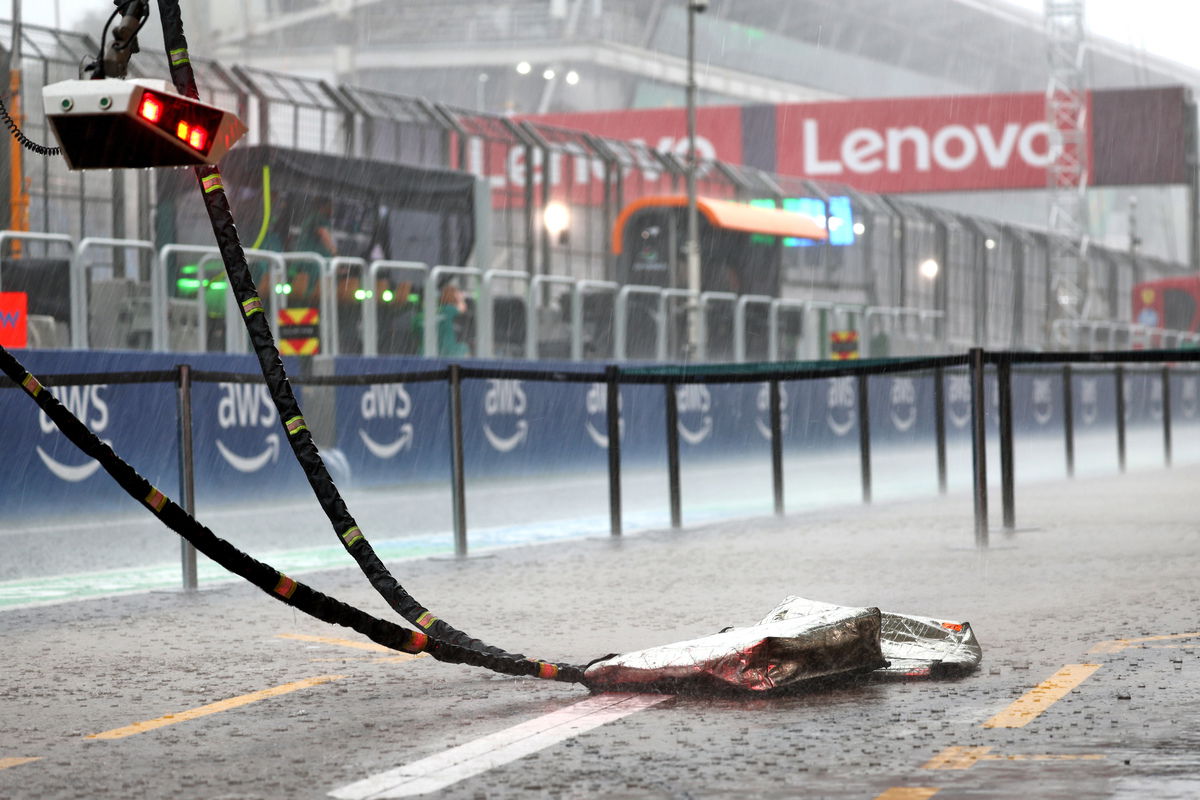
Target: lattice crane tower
{"type": "Point", "coordinates": [1067, 174]}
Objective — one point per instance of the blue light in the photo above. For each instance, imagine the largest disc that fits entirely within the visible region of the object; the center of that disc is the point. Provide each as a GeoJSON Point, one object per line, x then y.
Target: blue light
{"type": "Point", "coordinates": [841, 217]}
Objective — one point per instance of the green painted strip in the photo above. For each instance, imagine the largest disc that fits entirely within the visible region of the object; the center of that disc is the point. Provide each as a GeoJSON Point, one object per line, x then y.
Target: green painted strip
{"type": "Point", "coordinates": [24, 593]}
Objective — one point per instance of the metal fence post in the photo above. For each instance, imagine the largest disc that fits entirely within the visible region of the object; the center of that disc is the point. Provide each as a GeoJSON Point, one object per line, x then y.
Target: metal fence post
{"type": "Point", "coordinates": [777, 446]}
{"type": "Point", "coordinates": [1120, 398]}
{"type": "Point", "coordinates": [979, 446]}
{"type": "Point", "coordinates": [672, 401]}
{"type": "Point", "coordinates": [613, 413]}
{"type": "Point", "coordinates": [1166, 414]}
{"type": "Point", "coordinates": [187, 471]}
{"type": "Point", "coordinates": [458, 494]}
{"type": "Point", "coordinates": [939, 424]}
{"type": "Point", "coordinates": [1069, 419]}
{"type": "Point", "coordinates": [864, 435]}
{"type": "Point", "coordinates": [1007, 494]}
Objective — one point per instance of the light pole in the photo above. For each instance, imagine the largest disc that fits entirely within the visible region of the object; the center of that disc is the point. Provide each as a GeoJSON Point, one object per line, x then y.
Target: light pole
{"type": "Point", "coordinates": [693, 223]}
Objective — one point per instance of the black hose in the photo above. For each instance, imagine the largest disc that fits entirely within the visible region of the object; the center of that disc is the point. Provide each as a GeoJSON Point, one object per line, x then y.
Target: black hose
{"type": "Point", "coordinates": [283, 588]}
{"type": "Point", "coordinates": [298, 436]}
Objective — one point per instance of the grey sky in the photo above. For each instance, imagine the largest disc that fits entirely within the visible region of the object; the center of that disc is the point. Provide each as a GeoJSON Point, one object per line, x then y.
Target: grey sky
{"type": "Point", "coordinates": [1163, 27]}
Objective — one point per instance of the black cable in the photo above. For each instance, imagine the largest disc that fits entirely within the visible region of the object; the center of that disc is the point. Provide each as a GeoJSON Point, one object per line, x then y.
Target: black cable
{"type": "Point", "coordinates": [264, 576]}
{"type": "Point", "coordinates": [19, 135]}
{"type": "Point", "coordinates": [299, 437]}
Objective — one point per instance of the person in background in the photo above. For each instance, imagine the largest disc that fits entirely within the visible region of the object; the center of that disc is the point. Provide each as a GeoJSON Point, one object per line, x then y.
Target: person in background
{"type": "Point", "coordinates": [315, 235]}
{"type": "Point", "coordinates": [452, 304]}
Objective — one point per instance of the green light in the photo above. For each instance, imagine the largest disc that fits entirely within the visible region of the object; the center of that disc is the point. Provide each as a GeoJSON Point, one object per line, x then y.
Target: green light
{"type": "Point", "coordinates": [283, 288]}
{"type": "Point", "coordinates": [360, 295]}
{"type": "Point", "coordinates": [189, 269]}
{"type": "Point", "coordinates": [414, 298]}
{"type": "Point", "coordinates": [388, 295]}
{"type": "Point", "coordinates": [187, 284]}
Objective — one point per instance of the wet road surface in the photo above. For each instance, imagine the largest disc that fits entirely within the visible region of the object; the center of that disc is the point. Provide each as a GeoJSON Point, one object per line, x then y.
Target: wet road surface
{"type": "Point", "coordinates": [1089, 617]}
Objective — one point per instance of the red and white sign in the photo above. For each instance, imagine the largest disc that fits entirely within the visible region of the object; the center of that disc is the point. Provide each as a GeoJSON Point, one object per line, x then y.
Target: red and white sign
{"type": "Point", "coordinates": [911, 144]}
{"type": "Point", "coordinates": [578, 177]}
{"type": "Point", "coordinates": [14, 319]}
{"type": "Point", "coordinates": [919, 144]}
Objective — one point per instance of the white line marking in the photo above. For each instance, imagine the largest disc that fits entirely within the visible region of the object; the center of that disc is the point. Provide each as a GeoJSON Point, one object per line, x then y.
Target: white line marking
{"type": "Point", "coordinates": [465, 761]}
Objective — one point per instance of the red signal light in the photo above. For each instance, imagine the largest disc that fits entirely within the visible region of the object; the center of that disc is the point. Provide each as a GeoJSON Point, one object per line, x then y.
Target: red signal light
{"type": "Point", "coordinates": [183, 130]}
{"type": "Point", "coordinates": [151, 109]}
{"type": "Point", "coordinates": [198, 138]}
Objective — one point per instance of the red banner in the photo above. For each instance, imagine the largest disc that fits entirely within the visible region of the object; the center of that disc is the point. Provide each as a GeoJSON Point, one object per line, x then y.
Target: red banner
{"type": "Point", "coordinates": [912, 144]}
{"type": "Point", "coordinates": [919, 144]}
{"type": "Point", "coordinates": [14, 321]}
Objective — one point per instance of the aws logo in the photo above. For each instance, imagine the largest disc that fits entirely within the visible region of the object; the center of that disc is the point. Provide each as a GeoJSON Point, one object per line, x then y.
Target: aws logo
{"type": "Point", "coordinates": [596, 423]}
{"type": "Point", "coordinates": [388, 402]}
{"type": "Point", "coordinates": [244, 405]}
{"type": "Point", "coordinates": [1149, 402]}
{"type": "Point", "coordinates": [504, 408]}
{"type": "Point", "coordinates": [842, 399]}
{"type": "Point", "coordinates": [1088, 394]}
{"type": "Point", "coordinates": [1188, 397]}
{"type": "Point", "coordinates": [694, 403]}
{"type": "Point", "coordinates": [86, 403]}
{"type": "Point", "coordinates": [763, 403]}
{"type": "Point", "coordinates": [958, 400]}
{"type": "Point", "coordinates": [904, 403]}
{"type": "Point", "coordinates": [1042, 397]}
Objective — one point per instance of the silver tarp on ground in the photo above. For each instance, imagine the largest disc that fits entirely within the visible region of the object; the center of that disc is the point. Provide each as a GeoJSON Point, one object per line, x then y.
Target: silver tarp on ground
{"type": "Point", "coordinates": [799, 641]}
{"type": "Point", "coordinates": [771, 655]}
{"type": "Point", "coordinates": [914, 646]}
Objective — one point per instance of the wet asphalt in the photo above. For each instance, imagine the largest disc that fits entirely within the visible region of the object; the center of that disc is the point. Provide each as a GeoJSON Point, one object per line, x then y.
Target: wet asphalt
{"type": "Point", "coordinates": [1101, 571]}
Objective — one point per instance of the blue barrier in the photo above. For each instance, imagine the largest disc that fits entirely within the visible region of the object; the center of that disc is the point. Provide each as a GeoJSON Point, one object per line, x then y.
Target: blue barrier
{"type": "Point", "coordinates": [398, 433]}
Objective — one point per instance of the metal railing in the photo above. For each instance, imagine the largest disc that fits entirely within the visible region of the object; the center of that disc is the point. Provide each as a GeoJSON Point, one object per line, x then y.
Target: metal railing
{"type": "Point", "coordinates": [807, 323]}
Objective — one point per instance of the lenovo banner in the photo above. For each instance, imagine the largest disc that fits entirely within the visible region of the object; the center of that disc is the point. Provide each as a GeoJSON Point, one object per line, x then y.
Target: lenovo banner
{"type": "Point", "coordinates": [924, 144]}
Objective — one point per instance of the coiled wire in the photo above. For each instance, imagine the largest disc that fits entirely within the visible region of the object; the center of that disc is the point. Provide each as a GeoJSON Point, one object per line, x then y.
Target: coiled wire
{"type": "Point", "coordinates": [19, 135]}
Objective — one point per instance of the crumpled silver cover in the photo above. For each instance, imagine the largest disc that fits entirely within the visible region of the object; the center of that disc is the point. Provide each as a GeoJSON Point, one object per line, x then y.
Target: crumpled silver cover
{"type": "Point", "coordinates": [914, 646]}
{"type": "Point", "coordinates": [833, 641]}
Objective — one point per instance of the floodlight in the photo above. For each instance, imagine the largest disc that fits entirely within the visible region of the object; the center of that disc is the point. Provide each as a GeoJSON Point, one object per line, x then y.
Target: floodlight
{"type": "Point", "coordinates": [113, 124]}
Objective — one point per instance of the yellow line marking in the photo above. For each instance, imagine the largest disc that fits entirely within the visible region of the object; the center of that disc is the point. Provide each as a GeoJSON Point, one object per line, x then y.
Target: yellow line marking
{"type": "Point", "coordinates": [908, 793]}
{"type": "Point", "coordinates": [5, 763]}
{"type": "Point", "coordinates": [1117, 645]}
{"type": "Point", "coordinates": [212, 708]}
{"type": "Point", "coordinates": [956, 758]}
{"type": "Point", "coordinates": [1028, 706]}
{"type": "Point", "coordinates": [967, 757]}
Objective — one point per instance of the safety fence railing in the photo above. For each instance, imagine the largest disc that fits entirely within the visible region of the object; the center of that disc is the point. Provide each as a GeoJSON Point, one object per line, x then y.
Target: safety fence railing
{"type": "Point", "coordinates": [979, 400]}
{"type": "Point", "coordinates": [126, 294]}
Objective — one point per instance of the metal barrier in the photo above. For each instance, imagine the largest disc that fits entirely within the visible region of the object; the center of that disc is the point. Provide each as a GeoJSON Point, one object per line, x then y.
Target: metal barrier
{"type": "Point", "coordinates": [739, 322]}
{"type": "Point", "coordinates": [706, 300]}
{"type": "Point", "coordinates": [1075, 334]}
{"type": "Point", "coordinates": [371, 309]}
{"type": "Point", "coordinates": [531, 318]}
{"type": "Point", "coordinates": [486, 328]}
{"type": "Point", "coordinates": [621, 321]}
{"type": "Point", "coordinates": [23, 236]}
{"type": "Point", "coordinates": [165, 255]}
{"type": "Point", "coordinates": [330, 332]}
{"type": "Point", "coordinates": [581, 290]}
{"type": "Point", "coordinates": [79, 293]}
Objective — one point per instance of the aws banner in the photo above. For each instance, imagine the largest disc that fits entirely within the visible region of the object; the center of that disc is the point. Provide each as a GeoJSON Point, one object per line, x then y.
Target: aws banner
{"type": "Point", "coordinates": [922, 144]}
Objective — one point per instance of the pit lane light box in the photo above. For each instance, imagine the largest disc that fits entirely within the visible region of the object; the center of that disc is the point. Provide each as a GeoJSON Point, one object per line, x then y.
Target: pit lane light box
{"type": "Point", "coordinates": [114, 124]}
